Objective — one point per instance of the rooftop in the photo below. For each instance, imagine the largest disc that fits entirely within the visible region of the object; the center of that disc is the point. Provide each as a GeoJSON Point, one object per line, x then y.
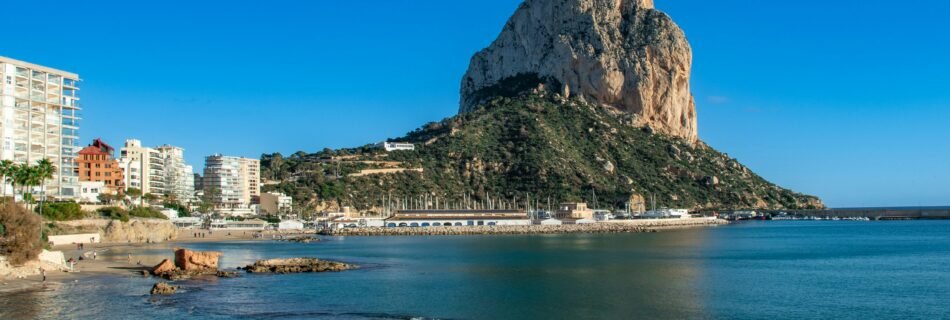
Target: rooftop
{"type": "Point", "coordinates": [38, 67]}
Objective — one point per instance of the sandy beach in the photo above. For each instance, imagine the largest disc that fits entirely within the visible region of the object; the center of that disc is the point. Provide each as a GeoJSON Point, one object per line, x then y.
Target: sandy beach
{"type": "Point", "coordinates": [122, 259]}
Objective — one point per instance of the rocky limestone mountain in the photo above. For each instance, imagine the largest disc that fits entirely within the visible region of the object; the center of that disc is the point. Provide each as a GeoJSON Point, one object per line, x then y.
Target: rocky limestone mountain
{"type": "Point", "coordinates": [621, 53]}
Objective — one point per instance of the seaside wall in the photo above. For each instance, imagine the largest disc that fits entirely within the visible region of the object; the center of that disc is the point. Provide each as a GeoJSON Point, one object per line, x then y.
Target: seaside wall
{"type": "Point", "coordinates": [75, 238]}
{"type": "Point", "coordinates": [605, 227]}
{"type": "Point", "coordinates": [115, 231]}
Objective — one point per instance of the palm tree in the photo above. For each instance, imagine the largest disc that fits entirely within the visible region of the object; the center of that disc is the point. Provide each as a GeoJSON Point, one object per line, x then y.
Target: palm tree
{"type": "Point", "coordinates": [19, 176]}
{"type": "Point", "coordinates": [27, 176]}
{"type": "Point", "coordinates": [43, 171]}
{"type": "Point", "coordinates": [6, 172]}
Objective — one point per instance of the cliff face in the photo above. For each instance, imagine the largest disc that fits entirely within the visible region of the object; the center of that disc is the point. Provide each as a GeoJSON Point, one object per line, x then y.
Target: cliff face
{"type": "Point", "coordinates": [114, 231]}
{"type": "Point", "coordinates": [619, 53]}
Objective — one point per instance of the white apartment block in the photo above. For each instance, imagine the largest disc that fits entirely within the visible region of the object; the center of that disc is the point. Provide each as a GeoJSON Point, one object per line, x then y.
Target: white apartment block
{"type": "Point", "coordinates": [39, 118]}
{"type": "Point", "coordinates": [179, 176]}
{"type": "Point", "coordinates": [159, 171]}
{"type": "Point", "coordinates": [232, 183]}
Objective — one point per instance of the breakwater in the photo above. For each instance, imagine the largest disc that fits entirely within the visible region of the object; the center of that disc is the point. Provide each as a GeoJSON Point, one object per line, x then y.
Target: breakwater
{"type": "Point", "coordinates": [620, 226]}
{"type": "Point", "coordinates": [908, 213]}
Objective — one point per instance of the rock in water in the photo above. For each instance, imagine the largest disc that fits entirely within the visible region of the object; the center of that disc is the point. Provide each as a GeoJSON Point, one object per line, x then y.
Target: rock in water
{"type": "Point", "coordinates": [164, 267]}
{"type": "Point", "coordinates": [296, 265]}
{"type": "Point", "coordinates": [188, 260]}
{"type": "Point", "coordinates": [162, 288]}
{"type": "Point", "coordinates": [620, 53]}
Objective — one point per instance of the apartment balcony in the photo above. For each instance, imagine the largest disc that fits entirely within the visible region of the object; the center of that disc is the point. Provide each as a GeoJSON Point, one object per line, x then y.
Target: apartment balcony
{"type": "Point", "coordinates": [22, 73]}
{"type": "Point", "coordinates": [39, 76]}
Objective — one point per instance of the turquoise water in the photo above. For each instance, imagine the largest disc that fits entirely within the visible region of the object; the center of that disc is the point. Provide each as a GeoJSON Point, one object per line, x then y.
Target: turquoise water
{"type": "Point", "coordinates": [758, 270]}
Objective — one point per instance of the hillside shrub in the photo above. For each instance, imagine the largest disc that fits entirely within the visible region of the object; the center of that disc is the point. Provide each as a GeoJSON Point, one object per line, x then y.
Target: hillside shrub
{"type": "Point", "coordinates": [114, 213]}
{"type": "Point", "coordinates": [61, 211]}
{"type": "Point", "coordinates": [20, 240]}
{"type": "Point", "coordinates": [145, 212]}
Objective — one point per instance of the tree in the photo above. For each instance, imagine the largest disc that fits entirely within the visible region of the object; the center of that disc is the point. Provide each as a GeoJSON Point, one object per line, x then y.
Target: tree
{"type": "Point", "coordinates": [208, 199]}
{"type": "Point", "coordinates": [149, 198]}
{"type": "Point", "coordinates": [43, 171]}
{"type": "Point", "coordinates": [133, 193]}
{"type": "Point", "coordinates": [7, 168]}
{"type": "Point", "coordinates": [106, 198]}
{"type": "Point", "coordinates": [24, 176]}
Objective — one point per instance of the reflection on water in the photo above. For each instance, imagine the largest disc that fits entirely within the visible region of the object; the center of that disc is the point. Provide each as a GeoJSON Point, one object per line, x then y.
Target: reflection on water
{"type": "Point", "coordinates": [742, 271]}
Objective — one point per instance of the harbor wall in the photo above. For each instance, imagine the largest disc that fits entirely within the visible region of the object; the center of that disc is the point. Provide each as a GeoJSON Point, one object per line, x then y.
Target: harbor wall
{"type": "Point", "coordinates": [879, 213]}
{"type": "Point", "coordinates": [619, 226]}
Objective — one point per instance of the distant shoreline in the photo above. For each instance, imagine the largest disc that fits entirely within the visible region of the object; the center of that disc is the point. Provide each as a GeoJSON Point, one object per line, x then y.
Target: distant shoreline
{"type": "Point", "coordinates": [618, 226]}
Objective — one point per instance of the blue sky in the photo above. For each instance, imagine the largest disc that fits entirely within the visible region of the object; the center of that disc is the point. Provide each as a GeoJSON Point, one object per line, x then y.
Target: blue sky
{"type": "Point", "coordinates": [848, 100]}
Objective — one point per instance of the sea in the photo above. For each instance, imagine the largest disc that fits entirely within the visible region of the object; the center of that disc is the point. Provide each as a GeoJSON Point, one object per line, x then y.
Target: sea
{"type": "Point", "coordinates": [750, 270]}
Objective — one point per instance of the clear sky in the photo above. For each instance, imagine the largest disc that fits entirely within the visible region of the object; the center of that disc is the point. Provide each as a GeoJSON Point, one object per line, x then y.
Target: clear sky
{"type": "Point", "coordinates": [848, 100]}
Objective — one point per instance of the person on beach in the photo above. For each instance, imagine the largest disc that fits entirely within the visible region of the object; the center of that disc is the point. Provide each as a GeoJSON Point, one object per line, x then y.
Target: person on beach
{"type": "Point", "coordinates": [130, 258]}
{"type": "Point", "coordinates": [94, 255]}
{"type": "Point", "coordinates": [43, 272]}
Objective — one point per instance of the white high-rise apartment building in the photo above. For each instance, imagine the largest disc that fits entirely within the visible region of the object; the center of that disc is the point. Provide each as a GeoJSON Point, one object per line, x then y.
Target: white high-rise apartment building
{"type": "Point", "coordinates": [39, 108]}
{"type": "Point", "coordinates": [179, 176]}
{"type": "Point", "coordinates": [159, 171]}
{"type": "Point", "coordinates": [232, 183]}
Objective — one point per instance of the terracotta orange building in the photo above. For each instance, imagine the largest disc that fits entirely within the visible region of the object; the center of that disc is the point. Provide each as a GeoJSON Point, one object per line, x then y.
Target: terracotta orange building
{"type": "Point", "coordinates": [97, 164]}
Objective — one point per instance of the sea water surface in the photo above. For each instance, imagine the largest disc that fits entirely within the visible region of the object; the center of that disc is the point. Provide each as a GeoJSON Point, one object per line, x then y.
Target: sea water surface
{"type": "Point", "coordinates": [756, 270]}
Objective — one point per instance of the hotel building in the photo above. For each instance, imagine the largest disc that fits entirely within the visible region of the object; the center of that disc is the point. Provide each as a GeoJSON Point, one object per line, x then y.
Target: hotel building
{"type": "Point", "coordinates": [39, 108]}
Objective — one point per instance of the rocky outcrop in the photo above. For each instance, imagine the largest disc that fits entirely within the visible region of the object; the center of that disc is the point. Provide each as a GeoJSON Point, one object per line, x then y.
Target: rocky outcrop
{"type": "Point", "coordinates": [190, 264]}
{"type": "Point", "coordinates": [188, 260]}
{"type": "Point", "coordinates": [296, 265]}
{"type": "Point", "coordinates": [619, 53]}
{"type": "Point", "coordinates": [162, 288]}
{"type": "Point", "coordinates": [164, 267]}
{"type": "Point", "coordinates": [115, 231]}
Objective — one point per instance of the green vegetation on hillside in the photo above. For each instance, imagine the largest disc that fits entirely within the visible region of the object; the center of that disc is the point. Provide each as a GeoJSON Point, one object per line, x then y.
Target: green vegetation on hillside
{"type": "Point", "coordinates": [533, 145]}
{"type": "Point", "coordinates": [117, 213]}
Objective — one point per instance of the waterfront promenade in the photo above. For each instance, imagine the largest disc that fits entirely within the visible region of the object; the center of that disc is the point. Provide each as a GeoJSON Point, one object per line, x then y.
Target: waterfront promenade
{"type": "Point", "coordinates": [617, 226]}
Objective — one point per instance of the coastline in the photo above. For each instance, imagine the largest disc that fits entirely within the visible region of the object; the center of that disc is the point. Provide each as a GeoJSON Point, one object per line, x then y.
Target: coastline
{"type": "Point", "coordinates": [109, 264]}
{"type": "Point", "coordinates": [617, 226]}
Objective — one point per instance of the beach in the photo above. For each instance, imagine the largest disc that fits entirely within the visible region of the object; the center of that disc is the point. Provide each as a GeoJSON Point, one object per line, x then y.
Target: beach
{"type": "Point", "coordinates": [122, 259]}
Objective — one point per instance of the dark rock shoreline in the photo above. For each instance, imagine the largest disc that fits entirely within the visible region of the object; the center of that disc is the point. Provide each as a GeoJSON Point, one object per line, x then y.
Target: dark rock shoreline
{"type": "Point", "coordinates": [296, 265]}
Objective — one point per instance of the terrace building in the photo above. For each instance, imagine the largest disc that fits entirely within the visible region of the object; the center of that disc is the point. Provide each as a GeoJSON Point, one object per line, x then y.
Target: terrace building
{"type": "Point", "coordinates": [39, 119]}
